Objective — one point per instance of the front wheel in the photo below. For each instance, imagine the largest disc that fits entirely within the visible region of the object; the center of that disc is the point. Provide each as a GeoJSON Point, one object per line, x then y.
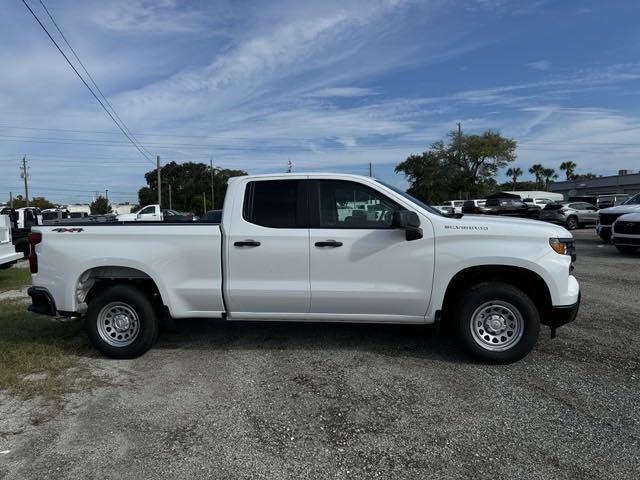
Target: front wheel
{"type": "Point", "coordinates": [497, 322]}
{"type": "Point", "coordinates": [121, 322]}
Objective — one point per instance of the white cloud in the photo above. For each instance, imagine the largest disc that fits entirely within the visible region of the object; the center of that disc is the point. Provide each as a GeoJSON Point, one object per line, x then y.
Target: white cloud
{"type": "Point", "coordinates": [540, 65]}
{"type": "Point", "coordinates": [343, 92]}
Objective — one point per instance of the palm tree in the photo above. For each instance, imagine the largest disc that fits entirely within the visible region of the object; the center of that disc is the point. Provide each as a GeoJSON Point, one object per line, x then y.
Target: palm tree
{"type": "Point", "coordinates": [514, 173]}
{"type": "Point", "coordinates": [568, 167]}
{"type": "Point", "coordinates": [547, 175]}
{"type": "Point", "coordinates": [537, 171]}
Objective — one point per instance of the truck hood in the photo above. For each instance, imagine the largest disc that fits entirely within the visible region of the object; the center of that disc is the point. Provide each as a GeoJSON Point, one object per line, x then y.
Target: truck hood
{"type": "Point", "coordinates": [629, 217]}
{"type": "Point", "coordinates": [621, 209]}
{"type": "Point", "coordinates": [507, 226]}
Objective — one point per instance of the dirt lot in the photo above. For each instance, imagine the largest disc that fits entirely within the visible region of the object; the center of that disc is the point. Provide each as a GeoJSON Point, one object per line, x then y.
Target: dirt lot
{"type": "Point", "coordinates": [337, 401]}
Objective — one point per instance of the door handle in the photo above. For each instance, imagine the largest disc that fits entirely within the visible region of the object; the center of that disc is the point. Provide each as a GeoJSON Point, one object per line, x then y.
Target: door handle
{"type": "Point", "coordinates": [329, 243]}
{"type": "Point", "coordinates": [247, 243]}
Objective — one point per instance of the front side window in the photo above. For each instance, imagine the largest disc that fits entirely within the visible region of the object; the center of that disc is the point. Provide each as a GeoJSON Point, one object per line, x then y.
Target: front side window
{"type": "Point", "coordinates": [344, 204]}
{"type": "Point", "coordinates": [147, 210]}
{"type": "Point", "coordinates": [275, 204]}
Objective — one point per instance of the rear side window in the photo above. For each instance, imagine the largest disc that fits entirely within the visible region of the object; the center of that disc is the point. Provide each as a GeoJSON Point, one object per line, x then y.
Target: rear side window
{"type": "Point", "coordinates": [276, 204]}
{"type": "Point", "coordinates": [493, 202]}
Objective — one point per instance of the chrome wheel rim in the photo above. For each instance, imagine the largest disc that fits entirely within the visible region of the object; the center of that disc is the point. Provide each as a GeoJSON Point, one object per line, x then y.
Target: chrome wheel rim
{"type": "Point", "coordinates": [118, 324]}
{"type": "Point", "coordinates": [497, 325]}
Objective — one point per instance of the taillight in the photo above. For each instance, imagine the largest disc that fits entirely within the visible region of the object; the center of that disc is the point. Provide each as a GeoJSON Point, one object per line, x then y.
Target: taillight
{"type": "Point", "coordinates": [33, 238]}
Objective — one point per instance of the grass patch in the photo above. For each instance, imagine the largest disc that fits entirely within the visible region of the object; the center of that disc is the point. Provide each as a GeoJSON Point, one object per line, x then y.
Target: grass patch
{"type": "Point", "coordinates": [39, 355]}
{"type": "Point", "coordinates": [14, 278]}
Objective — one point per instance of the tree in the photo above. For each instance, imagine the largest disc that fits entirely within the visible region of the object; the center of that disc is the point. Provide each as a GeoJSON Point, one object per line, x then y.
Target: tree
{"type": "Point", "coordinates": [188, 182]}
{"type": "Point", "coordinates": [38, 202]}
{"type": "Point", "coordinates": [514, 173]}
{"type": "Point", "coordinates": [585, 176]}
{"type": "Point", "coordinates": [100, 206]}
{"type": "Point", "coordinates": [466, 164]}
{"type": "Point", "coordinates": [536, 170]}
{"type": "Point", "coordinates": [547, 175]}
{"type": "Point", "coordinates": [568, 168]}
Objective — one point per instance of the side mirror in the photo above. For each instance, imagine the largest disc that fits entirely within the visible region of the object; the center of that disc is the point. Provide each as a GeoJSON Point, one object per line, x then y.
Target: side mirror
{"type": "Point", "coordinates": [409, 221]}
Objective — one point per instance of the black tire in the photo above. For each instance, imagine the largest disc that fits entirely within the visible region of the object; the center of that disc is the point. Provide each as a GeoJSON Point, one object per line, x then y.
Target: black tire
{"type": "Point", "coordinates": [498, 298]}
{"type": "Point", "coordinates": [571, 223]}
{"type": "Point", "coordinates": [129, 299]}
{"type": "Point", "coordinates": [627, 248]}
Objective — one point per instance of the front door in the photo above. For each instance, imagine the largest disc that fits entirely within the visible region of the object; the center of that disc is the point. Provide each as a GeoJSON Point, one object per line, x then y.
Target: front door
{"type": "Point", "coordinates": [361, 268]}
{"type": "Point", "coordinates": [268, 252]}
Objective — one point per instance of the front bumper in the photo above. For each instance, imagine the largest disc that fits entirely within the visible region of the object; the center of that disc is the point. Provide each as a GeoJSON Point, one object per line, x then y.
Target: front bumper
{"type": "Point", "coordinates": [631, 241]}
{"type": "Point", "coordinates": [41, 301]}
{"type": "Point", "coordinates": [562, 315]}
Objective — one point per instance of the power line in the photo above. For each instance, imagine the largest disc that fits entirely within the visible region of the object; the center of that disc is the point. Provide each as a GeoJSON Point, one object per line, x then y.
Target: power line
{"type": "Point", "coordinates": [85, 83]}
{"type": "Point", "coordinates": [89, 75]}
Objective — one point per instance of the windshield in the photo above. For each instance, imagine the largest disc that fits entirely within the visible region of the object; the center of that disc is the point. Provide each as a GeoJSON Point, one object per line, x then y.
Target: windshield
{"type": "Point", "coordinates": [633, 200]}
{"type": "Point", "coordinates": [411, 198]}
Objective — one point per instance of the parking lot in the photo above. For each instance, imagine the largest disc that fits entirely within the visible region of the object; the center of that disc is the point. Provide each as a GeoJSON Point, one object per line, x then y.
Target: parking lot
{"type": "Point", "coordinates": [278, 400]}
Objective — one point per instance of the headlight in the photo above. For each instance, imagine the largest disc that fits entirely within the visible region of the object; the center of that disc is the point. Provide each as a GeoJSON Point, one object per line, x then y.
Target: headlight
{"type": "Point", "coordinates": [563, 246]}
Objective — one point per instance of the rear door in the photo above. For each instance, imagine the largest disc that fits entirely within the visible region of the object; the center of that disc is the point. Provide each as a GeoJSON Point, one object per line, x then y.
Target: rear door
{"type": "Point", "coordinates": [361, 268]}
{"type": "Point", "coordinates": [268, 251]}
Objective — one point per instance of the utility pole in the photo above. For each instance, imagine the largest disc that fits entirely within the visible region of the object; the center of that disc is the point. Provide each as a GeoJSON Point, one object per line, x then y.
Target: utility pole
{"type": "Point", "coordinates": [159, 181]}
{"type": "Point", "coordinates": [289, 167]}
{"type": "Point", "coordinates": [170, 207]}
{"type": "Point", "coordinates": [204, 202]}
{"type": "Point", "coordinates": [212, 197]}
{"type": "Point", "coordinates": [11, 199]}
{"type": "Point", "coordinates": [106, 195]}
{"type": "Point", "coordinates": [370, 170]}
{"type": "Point", "coordinates": [25, 176]}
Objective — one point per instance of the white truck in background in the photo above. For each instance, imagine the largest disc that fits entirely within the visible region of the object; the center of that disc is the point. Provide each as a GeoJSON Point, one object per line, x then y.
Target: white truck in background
{"type": "Point", "coordinates": [153, 213]}
{"type": "Point", "coordinates": [8, 254]}
{"type": "Point", "coordinates": [312, 247]}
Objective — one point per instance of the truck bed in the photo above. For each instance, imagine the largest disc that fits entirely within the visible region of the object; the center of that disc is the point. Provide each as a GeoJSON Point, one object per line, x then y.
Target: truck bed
{"type": "Point", "coordinates": [188, 255]}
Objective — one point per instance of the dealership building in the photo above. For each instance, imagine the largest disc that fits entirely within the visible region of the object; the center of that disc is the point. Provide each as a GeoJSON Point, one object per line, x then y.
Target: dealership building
{"type": "Point", "coordinates": [625, 182]}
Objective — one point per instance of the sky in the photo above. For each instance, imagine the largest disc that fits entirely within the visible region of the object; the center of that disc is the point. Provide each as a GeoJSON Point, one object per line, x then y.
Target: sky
{"type": "Point", "coordinates": [330, 86]}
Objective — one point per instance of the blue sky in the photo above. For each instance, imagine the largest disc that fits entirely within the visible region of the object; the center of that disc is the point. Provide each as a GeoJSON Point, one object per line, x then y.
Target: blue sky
{"type": "Point", "coordinates": [329, 85]}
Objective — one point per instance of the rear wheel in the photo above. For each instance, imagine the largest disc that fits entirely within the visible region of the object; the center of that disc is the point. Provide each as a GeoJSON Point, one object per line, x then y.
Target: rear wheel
{"type": "Point", "coordinates": [122, 322]}
{"type": "Point", "coordinates": [627, 248]}
{"type": "Point", "coordinates": [571, 223]}
{"type": "Point", "coordinates": [497, 323]}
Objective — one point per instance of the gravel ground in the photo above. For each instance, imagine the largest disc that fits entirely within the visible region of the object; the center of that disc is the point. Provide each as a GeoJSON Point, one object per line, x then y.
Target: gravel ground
{"type": "Point", "coordinates": [318, 401]}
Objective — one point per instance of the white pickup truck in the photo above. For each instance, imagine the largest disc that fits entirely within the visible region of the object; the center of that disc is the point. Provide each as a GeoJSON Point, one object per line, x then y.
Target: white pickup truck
{"type": "Point", "coordinates": [312, 247]}
{"type": "Point", "coordinates": [8, 254]}
{"type": "Point", "coordinates": [153, 213]}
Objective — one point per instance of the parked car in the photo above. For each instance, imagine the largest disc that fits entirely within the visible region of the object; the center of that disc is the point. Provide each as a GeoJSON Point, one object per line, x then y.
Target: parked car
{"type": "Point", "coordinates": [455, 204]}
{"type": "Point", "coordinates": [54, 215]}
{"type": "Point", "coordinates": [8, 254]}
{"type": "Point", "coordinates": [606, 201]}
{"type": "Point", "coordinates": [474, 206]}
{"type": "Point", "coordinates": [511, 207]}
{"type": "Point", "coordinates": [625, 232]}
{"type": "Point", "coordinates": [570, 214]}
{"type": "Point", "coordinates": [290, 248]}
{"type": "Point", "coordinates": [212, 216]}
{"type": "Point", "coordinates": [444, 210]}
{"type": "Point", "coordinates": [607, 216]}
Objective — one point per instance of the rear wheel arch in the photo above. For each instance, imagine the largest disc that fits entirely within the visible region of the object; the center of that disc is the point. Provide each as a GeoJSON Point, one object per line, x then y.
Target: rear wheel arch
{"type": "Point", "coordinates": [95, 279]}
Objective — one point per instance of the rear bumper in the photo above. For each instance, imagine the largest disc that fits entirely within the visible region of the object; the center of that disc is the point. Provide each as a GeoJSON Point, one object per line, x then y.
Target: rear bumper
{"type": "Point", "coordinates": [41, 301]}
{"type": "Point", "coordinates": [559, 219]}
{"type": "Point", "coordinates": [562, 315]}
